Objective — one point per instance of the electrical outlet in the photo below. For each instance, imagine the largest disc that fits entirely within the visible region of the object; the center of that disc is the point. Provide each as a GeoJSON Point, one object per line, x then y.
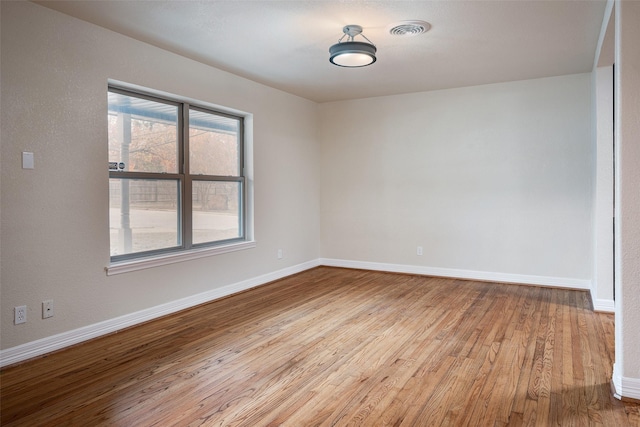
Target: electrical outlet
{"type": "Point", "coordinates": [47, 309]}
{"type": "Point", "coordinates": [419, 250]}
{"type": "Point", "coordinates": [280, 253]}
{"type": "Point", "coordinates": [20, 314]}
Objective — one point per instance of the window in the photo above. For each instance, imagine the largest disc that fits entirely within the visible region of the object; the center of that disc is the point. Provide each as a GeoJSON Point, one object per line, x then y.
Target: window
{"type": "Point", "coordinates": [176, 176]}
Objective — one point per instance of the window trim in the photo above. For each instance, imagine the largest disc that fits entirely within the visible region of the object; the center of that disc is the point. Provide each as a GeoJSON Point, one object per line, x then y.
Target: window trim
{"type": "Point", "coordinates": [188, 250]}
{"type": "Point", "coordinates": [166, 258]}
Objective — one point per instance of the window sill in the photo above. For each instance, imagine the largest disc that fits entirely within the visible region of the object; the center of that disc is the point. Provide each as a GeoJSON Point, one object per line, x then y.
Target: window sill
{"type": "Point", "coordinates": [156, 261]}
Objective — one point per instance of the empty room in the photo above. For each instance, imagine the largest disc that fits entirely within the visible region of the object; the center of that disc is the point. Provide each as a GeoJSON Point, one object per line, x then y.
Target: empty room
{"type": "Point", "coordinates": [302, 213]}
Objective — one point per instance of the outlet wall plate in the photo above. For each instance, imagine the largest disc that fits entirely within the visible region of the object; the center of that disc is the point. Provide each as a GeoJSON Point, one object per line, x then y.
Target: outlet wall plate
{"type": "Point", "coordinates": [20, 314]}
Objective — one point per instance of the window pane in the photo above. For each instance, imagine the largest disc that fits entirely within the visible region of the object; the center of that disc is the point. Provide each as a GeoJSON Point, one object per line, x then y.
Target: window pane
{"type": "Point", "coordinates": [213, 144]}
{"type": "Point", "coordinates": [216, 211]}
{"type": "Point", "coordinates": [143, 135]}
{"type": "Point", "coordinates": [143, 215]}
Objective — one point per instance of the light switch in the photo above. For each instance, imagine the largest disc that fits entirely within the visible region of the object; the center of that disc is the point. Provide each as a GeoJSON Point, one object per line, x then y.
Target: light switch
{"type": "Point", "coordinates": [27, 160]}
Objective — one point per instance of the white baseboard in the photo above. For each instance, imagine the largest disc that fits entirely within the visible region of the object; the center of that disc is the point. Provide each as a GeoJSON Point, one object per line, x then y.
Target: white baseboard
{"type": "Point", "coordinates": [603, 305]}
{"type": "Point", "coordinates": [56, 342]}
{"type": "Point", "coordinates": [625, 386]}
{"type": "Point", "coordinates": [560, 282]}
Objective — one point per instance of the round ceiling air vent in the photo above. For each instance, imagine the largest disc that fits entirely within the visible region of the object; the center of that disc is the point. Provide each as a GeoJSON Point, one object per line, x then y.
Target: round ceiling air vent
{"type": "Point", "coordinates": [409, 28]}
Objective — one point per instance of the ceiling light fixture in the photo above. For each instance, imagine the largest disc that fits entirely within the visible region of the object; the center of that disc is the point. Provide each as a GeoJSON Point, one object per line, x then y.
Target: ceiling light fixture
{"type": "Point", "coordinates": [352, 53]}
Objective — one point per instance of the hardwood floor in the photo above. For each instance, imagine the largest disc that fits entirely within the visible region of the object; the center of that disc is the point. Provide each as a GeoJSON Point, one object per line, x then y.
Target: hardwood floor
{"type": "Point", "coordinates": [339, 347]}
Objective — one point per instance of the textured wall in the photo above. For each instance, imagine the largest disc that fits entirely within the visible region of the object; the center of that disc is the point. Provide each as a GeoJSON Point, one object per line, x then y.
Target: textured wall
{"type": "Point", "coordinates": [494, 178]}
{"type": "Point", "coordinates": [55, 232]}
{"type": "Point", "coordinates": [627, 95]}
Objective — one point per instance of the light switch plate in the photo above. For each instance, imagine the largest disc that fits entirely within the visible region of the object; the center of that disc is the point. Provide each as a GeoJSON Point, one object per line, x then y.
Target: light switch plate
{"type": "Point", "coordinates": [27, 160]}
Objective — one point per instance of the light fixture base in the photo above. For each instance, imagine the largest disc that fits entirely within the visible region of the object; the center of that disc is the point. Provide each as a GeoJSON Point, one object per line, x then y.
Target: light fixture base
{"type": "Point", "coordinates": [352, 30]}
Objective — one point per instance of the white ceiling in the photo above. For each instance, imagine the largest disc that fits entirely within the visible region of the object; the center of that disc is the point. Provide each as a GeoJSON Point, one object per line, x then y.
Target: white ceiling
{"type": "Point", "coordinates": [284, 44]}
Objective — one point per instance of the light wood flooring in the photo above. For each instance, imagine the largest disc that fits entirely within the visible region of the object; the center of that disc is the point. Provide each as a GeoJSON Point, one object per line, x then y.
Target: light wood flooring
{"type": "Point", "coordinates": [339, 347]}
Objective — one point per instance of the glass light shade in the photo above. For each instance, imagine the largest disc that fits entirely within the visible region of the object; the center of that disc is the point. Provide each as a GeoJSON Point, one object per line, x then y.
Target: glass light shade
{"type": "Point", "coordinates": [352, 54]}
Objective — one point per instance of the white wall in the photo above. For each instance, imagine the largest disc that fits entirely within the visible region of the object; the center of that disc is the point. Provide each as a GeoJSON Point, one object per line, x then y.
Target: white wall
{"type": "Point", "coordinates": [492, 178]}
{"type": "Point", "coordinates": [54, 225]}
{"type": "Point", "coordinates": [602, 292]}
{"type": "Point", "coordinates": [602, 135]}
{"type": "Point", "coordinates": [626, 372]}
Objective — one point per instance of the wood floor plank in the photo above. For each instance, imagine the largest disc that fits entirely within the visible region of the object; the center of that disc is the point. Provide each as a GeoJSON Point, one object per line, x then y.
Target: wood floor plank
{"type": "Point", "coordinates": [333, 346]}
